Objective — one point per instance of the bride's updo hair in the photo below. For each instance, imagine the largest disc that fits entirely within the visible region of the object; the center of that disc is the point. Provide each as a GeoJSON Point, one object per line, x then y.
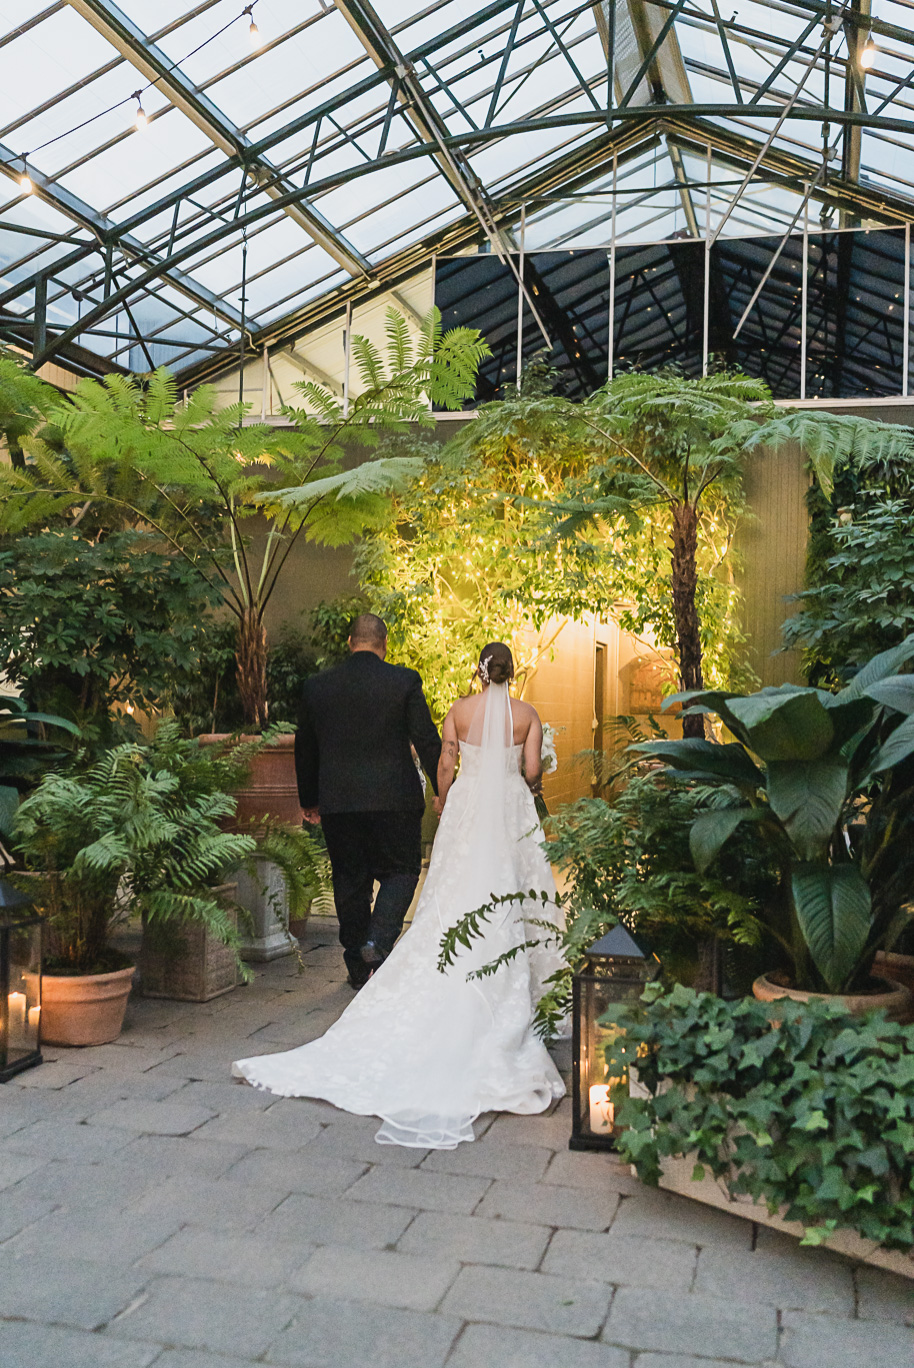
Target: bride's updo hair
{"type": "Point", "coordinates": [496, 663]}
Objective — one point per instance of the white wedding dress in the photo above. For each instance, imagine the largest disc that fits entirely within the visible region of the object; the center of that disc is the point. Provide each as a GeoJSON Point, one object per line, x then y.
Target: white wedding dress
{"type": "Point", "coordinates": [426, 1051]}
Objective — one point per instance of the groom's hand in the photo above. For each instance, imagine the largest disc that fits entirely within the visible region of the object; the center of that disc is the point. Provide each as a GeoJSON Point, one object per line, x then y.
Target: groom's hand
{"type": "Point", "coordinates": [312, 816]}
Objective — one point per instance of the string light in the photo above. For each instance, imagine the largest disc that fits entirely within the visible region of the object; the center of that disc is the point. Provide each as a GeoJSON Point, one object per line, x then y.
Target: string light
{"type": "Point", "coordinates": [253, 31]}
{"type": "Point", "coordinates": [141, 118]}
{"type": "Point", "coordinates": [868, 53]}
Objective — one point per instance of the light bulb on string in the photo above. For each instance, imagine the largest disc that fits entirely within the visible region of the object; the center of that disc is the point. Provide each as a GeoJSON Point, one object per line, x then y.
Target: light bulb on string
{"type": "Point", "coordinates": [140, 118]}
{"type": "Point", "coordinates": [253, 31]}
{"type": "Point", "coordinates": [868, 54]}
{"type": "Point", "coordinates": [25, 181]}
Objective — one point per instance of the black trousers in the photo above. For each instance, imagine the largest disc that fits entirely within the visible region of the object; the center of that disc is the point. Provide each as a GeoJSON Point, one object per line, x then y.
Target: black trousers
{"type": "Point", "coordinates": [364, 847]}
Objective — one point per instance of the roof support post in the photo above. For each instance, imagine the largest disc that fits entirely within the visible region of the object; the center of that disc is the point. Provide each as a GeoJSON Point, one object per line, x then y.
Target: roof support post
{"type": "Point", "coordinates": [612, 270]}
{"type": "Point", "coordinates": [854, 99]}
{"type": "Point", "coordinates": [906, 344]}
{"type": "Point", "coordinates": [707, 295]}
{"type": "Point", "coordinates": [804, 296]}
{"type": "Point", "coordinates": [40, 335]}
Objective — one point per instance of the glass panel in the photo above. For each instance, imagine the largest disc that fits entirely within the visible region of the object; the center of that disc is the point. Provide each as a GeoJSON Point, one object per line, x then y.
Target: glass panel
{"type": "Point", "coordinates": [659, 306]}
{"type": "Point", "coordinates": [768, 344]}
{"type": "Point", "coordinates": [855, 314]}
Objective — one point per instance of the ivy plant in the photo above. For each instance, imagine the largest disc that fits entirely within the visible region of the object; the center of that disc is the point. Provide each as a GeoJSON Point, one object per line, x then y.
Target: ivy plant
{"type": "Point", "coordinates": [805, 1109]}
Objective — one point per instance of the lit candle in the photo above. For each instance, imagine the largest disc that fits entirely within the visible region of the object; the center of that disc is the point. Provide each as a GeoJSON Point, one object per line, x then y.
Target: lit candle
{"type": "Point", "coordinates": [16, 1006]}
{"type": "Point", "coordinates": [34, 1018]}
{"type": "Point", "coordinates": [602, 1111]}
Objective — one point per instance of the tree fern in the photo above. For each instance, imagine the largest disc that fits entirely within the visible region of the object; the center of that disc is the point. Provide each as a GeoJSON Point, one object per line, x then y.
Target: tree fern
{"type": "Point", "coordinates": [193, 475]}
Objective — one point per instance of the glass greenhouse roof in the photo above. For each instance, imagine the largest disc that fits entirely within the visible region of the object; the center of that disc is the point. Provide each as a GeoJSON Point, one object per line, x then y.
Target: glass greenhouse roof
{"type": "Point", "coordinates": [296, 155]}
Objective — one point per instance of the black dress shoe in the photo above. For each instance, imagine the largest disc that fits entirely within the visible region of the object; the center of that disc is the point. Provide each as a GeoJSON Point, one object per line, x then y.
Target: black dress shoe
{"type": "Point", "coordinates": [371, 955]}
{"type": "Point", "coordinates": [358, 981]}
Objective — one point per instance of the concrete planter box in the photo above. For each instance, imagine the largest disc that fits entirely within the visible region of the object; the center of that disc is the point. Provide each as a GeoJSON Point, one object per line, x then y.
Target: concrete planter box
{"type": "Point", "coordinates": [187, 963]}
{"type": "Point", "coordinates": [677, 1177]}
{"type": "Point", "coordinates": [264, 899]}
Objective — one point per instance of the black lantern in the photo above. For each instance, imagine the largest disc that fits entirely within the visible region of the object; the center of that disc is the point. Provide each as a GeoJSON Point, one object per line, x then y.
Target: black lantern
{"type": "Point", "coordinates": [20, 982]}
{"type": "Point", "coordinates": [614, 973]}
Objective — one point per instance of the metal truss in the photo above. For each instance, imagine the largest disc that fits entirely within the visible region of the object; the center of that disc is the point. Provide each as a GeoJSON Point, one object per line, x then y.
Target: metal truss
{"type": "Point", "coordinates": [447, 102]}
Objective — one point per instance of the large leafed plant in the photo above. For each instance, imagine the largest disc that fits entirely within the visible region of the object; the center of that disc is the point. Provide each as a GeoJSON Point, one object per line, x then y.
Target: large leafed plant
{"type": "Point", "coordinates": [827, 781]}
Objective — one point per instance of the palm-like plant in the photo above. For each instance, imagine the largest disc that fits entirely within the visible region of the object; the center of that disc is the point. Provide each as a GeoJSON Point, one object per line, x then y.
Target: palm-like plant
{"type": "Point", "coordinates": [196, 475]}
{"type": "Point", "coordinates": [828, 781]}
{"type": "Point", "coordinates": [666, 442]}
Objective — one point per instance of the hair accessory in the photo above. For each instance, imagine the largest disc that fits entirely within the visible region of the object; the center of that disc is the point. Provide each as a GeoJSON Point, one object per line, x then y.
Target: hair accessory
{"type": "Point", "coordinates": [483, 669]}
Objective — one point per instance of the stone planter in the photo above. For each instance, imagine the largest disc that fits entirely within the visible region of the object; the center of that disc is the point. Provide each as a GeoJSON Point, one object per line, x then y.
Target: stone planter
{"type": "Point", "coordinates": [264, 899]}
{"type": "Point", "coordinates": [677, 1177]}
{"type": "Point", "coordinates": [84, 1009]}
{"type": "Point", "coordinates": [187, 963]}
{"type": "Point", "coordinates": [896, 1000]}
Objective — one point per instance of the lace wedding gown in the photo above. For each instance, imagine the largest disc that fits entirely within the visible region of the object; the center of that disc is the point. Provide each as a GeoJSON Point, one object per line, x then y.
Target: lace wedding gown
{"type": "Point", "coordinates": [426, 1051]}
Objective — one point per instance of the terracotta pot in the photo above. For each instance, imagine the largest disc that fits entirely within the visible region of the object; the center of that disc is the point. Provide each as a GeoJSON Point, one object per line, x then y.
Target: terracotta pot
{"type": "Point", "coordinates": [895, 1000]}
{"type": "Point", "coordinates": [84, 1009]}
{"type": "Point", "coordinates": [271, 789]}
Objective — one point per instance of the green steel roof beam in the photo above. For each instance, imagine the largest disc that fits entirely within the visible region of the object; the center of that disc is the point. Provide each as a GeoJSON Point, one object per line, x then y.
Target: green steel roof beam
{"type": "Point", "coordinates": [153, 63]}
{"type": "Point", "coordinates": [102, 228]}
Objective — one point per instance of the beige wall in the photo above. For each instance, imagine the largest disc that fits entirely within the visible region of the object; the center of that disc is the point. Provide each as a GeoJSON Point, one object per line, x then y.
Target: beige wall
{"type": "Point", "coordinates": [565, 692]}
{"type": "Point", "coordinates": [772, 542]}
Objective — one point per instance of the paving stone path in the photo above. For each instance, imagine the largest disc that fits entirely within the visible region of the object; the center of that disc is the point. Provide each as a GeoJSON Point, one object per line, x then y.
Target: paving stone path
{"type": "Point", "coordinates": [154, 1212]}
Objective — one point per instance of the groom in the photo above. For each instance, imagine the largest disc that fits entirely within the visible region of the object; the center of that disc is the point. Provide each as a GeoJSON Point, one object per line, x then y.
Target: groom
{"type": "Point", "coordinates": [356, 776]}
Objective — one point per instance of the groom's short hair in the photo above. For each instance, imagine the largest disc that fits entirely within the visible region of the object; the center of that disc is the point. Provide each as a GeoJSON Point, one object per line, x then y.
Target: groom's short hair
{"type": "Point", "coordinates": [368, 630]}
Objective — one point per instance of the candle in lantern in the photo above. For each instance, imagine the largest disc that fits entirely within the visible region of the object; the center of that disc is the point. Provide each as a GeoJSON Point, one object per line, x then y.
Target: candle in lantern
{"type": "Point", "coordinates": [602, 1111]}
{"type": "Point", "coordinates": [16, 1007]}
{"type": "Point", "coordinates": [34, 1018]}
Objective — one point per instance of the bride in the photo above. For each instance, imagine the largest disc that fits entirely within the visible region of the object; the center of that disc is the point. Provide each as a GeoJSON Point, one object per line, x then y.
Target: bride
{"type": "Point", "coordinates": [429, 1051]}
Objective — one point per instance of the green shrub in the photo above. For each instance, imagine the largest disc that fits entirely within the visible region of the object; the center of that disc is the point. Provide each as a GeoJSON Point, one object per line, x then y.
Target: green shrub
{"type": "Point", "coordinates": [804, 1108]}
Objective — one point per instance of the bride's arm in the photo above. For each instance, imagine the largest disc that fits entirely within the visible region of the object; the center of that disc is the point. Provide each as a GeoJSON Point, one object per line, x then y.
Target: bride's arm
{"type": "Point", "coordinates": [533, 754]}
{"type": "Point", "coordinates": [450, 750]}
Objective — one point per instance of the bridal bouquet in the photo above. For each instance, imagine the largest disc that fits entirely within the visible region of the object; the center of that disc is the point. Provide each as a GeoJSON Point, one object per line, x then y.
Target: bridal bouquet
{"type": "Point", "coordinates": [549, 762]}
{"type": "Point", "coordinates": [548, 753]}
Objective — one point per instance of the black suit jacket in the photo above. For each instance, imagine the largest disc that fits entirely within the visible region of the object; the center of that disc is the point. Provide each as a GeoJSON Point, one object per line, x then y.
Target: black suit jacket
{"type": "Point", "coordinates": [352, 747]}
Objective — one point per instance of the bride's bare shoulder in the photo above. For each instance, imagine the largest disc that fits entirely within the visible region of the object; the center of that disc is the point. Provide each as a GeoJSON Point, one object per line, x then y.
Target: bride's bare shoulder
{"type": "Point", "coordinates": [464, 706]}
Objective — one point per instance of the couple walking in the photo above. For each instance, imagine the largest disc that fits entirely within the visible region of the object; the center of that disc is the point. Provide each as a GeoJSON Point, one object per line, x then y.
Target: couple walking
{"type": "Point", "coordinates": [426, 1051]}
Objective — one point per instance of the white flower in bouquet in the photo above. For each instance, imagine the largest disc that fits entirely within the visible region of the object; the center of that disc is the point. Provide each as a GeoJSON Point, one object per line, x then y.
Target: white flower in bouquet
{"type": "Point", "coordinates": [549, 758]}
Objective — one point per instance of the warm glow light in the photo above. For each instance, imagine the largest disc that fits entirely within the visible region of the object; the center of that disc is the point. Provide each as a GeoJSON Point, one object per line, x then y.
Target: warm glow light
{"type": "Point", "coordinates": [254, 32]}
{"type": "Point", "coordinates": [25, 183]}
{"type": "Point", "coordinates": [868, 54]}
{"type": "Point", "coordinates": [141, 120]}
{"type": "Point", "coordinates": [16, 1007]}
{"type": "Point", "coordinates": [34, 1017]}
{"type": "Point", "coordinates": [602, 1111]}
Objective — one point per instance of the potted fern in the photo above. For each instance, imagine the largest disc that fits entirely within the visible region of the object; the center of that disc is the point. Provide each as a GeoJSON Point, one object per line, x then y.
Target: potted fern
{"type": "Point", "coordinates": [102, 841]}
{"type": "Point", "coordinates": [188, 957]}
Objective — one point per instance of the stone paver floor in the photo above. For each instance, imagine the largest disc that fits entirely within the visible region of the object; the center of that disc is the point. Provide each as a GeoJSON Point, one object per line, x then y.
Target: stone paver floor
{"type": "Point", "coordinates": [155, 1212]}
